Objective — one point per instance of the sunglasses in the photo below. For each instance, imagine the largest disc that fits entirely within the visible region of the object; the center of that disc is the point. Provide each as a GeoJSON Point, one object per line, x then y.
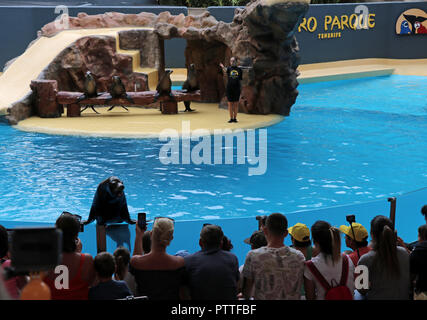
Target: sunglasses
{"type": "Point", "coordinates": [71, 214]}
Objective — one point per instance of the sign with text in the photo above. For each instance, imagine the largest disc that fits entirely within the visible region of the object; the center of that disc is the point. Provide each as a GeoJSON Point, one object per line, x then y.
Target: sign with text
{"type": "Point", "coordinates": [331, 26]}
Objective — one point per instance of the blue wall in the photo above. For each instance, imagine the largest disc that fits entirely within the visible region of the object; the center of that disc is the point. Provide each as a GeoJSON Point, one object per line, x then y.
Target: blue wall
{"type": "Point", "coordinates": [77, 2]}
{"type": "Point", "coordinates": [379, 42]}
{"type": "Point", "coordinates": [19, 26]}
{"type": "Point", "coordinates": [21, 23]}
{"type": "Point", "coordinates": [186, 236]}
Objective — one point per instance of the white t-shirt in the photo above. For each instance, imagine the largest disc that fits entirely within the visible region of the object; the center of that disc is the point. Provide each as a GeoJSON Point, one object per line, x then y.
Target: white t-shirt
{"type": "Point", "coordinates": [329, 271]}
{"type": "Point", "coordinates": [277, 273]}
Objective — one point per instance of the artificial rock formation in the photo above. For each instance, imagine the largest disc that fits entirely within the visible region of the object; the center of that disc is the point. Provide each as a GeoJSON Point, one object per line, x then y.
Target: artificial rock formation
{"type": "Point", "coordinates": [261, 36]}
{"type": "Point", "coordinates": [97, 54]}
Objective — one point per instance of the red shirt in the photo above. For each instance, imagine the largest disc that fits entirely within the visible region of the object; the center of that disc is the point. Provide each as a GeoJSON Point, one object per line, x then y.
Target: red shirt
{"type": "Point", "coordinates": [78, 288]}
{"type": "Point", "coordinates": [355, 258]}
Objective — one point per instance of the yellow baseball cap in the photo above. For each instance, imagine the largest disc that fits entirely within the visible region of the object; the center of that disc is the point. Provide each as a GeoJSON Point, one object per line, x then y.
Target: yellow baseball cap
{"type": "Point", "coordinates": [360, 231]}
{"type": "Point", "coordinates": [300, 232]}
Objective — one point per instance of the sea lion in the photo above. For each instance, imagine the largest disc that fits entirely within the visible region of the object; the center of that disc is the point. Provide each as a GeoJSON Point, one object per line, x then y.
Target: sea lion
{"type": "Point", "coordinates": [89, 91]}
{"type": "Point", "coordinates": [109, 203]}
{"type": "Point", "coordinates": [190, 85]}
{"type": "Point", "coordinates": [164, 87]}
{"type": "Point", "coordinates": [117, 90]}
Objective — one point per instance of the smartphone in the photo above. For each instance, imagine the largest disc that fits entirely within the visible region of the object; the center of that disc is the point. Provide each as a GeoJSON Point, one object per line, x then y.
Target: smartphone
{"type": "Point", "coordinates": [351, 218]}
{"type": "Point", "coordinates": [36, 249]}
{"type": "Point", "coordinates": [142, 220]}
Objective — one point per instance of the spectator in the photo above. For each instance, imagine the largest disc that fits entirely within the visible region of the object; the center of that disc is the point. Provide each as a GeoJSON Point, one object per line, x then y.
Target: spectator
{"type": "Point", "coordinates": [418, 263]}
{"type": "Point", "coordinates": [226, 244]}
{"type": "Point", "coordinates": [13, 285]}
{"type": "Point", "coordinates": [107, 288]}
{"type": "Point", "coordinates": [122, 259]}
{"type": "Point", "coordinates": [80, 266]}
{"type": "Point", "coordinates": [158, 275]}
{"type": "Point", "coordinates": [388, 264]}
{"type": "Point", "coordinates": [257, 240]}
{"type": "Point", "coordinates": [329, 262]}
{"type": "Point", "coordinates": [212, 273]}
{"type": "Point", "coordinates": [276, 270]}
{"type": "Point", "coordinates": [410, 246]}
{"type": "Point", "coordinates": [300, 237]}
{"type": "Point", "coordinates": [358, 241]}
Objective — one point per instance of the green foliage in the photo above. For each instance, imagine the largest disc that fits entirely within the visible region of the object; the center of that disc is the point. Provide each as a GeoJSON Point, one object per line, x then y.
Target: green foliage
{"type": "Point", "coordinates": [214, 3]}
{"type": "Point", "coordinates": [330, 1]}
{"type": "Point", "coordinates": [237, 3]}
{"type": "Point", "coordinates": [240, 3]}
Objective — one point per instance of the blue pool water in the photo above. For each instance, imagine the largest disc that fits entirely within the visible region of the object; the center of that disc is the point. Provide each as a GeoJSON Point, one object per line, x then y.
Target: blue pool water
{"type": "Point", "coordinates": [344, 142]}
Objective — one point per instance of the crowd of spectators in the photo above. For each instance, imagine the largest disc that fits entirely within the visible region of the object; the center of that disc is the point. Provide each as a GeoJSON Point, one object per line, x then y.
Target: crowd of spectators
{"type": "Point", "coordinates": [314, 267]}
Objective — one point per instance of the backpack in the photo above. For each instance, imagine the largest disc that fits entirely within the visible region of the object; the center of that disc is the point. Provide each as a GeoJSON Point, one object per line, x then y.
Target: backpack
{"type": "Point", "coordinates": [337, 292]}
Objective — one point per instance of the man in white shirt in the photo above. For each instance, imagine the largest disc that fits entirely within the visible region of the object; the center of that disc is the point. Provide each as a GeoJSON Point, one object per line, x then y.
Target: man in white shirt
{"type": "Point", "coordinates": [275, 271]}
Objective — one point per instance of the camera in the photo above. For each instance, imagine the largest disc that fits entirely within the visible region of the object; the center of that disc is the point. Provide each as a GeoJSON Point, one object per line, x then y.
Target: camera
{"type": "Point", "coordinates": [261, 221]}
{"type": "Point", "coordinates": [351, 218]}
{"type": "Point", "coordinates": [35, 249]}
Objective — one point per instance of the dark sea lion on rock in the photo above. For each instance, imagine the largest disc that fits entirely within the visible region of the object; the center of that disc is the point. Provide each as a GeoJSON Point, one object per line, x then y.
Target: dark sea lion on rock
{"type": "Point", "coordinates": [117, 90]}
{"type": "Point", "coordinates": [164, 88]}
{"type": "Point", "coordinates": [109, 203]}
{"type": "Point", "coordinates": [190, 85]}
{"type": "Point", "coordinates": [89, 90]}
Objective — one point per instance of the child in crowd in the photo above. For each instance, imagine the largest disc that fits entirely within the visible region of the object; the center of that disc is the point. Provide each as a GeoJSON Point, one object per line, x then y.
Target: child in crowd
{"type": "Point", "coordinates": [300, 237]}
{"type": "Point", "coordinates": [122, 259]}
{"type": "Point", "coordinates": [418, 264]}
{"type": "Point", "coordinates": [356, 239]}
{"type": "Point", "coordinates": [107, 288]}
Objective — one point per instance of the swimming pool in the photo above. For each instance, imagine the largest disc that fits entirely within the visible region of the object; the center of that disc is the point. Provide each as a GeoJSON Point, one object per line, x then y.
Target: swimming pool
{"type": "Point", "coordinates": [344, 142]}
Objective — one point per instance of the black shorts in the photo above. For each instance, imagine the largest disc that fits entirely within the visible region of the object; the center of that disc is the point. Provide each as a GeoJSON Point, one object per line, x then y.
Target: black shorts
{"type": "Point", "coordinates": [233, 94]}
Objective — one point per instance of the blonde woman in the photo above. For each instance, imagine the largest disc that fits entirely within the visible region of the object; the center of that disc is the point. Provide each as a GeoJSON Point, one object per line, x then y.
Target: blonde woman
{"type": "Point", "coordinates": [158, 275]}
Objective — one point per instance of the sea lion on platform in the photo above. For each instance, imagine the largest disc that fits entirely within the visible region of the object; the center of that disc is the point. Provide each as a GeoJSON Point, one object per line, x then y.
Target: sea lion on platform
{"type": "Point", "coordinates": [89, 91]}
{"type": "Point", "coordinates": [117, 90]}
{"type": "Point", "coordinates": [109, 203]}
{"type": "Point", "coordinates": [164, 87]}
{"type": "Point", "coordinates": [190, 85]}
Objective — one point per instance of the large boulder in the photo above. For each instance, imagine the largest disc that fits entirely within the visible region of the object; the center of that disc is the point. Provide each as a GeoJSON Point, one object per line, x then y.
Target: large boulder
{"type": "Point", "coordinates": [98, 55]}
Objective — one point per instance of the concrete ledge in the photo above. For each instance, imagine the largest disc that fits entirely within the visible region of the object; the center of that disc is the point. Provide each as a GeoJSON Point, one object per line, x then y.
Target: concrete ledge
{"type": "Point", "coordinates": [360, 68]}
{"type": "Point", "coordinates": [145, 122]}
{"type": "Point", "coordinates": [346, 76]}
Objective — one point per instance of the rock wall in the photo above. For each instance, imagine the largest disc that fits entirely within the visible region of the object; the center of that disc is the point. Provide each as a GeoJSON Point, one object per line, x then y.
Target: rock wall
{"type": "Point", "coordinates": [148, 44]}
{"type": "Point", "coordinates": [261, 36]}
{"type": "Point", "coordinates": [20, 110]}
{"type": "Point", "coordinates": [97, 54]}
{"type": "Point", "coordinates": [206, 57]}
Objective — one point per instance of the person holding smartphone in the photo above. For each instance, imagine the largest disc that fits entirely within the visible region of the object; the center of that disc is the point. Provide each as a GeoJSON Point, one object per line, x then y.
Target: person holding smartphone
{"type": "Point", "coordinates": [158, 275]}
{"type": "Point", "coordinates": [234, 76]}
